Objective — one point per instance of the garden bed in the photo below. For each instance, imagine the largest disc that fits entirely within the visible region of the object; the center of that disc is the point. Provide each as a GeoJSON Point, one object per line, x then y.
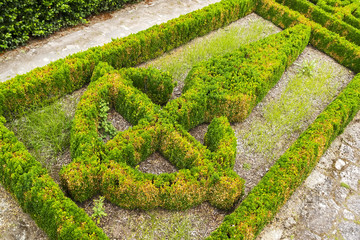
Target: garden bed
{"type": "Point", "coordinates": [313, 140]}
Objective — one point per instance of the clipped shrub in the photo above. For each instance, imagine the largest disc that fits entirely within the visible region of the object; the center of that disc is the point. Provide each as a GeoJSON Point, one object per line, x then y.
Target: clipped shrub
{"type": "Point", "coordinates": [323, 18]}
{"type": "Point", "coordinates": [46, 84]}
{"type": "Point", "coordinates": [343, 51]}
{"type": "Point", "coordinates": [232, 84]}
{"type": "Point", "coordinates": [39, 195]}
{"type": "Point", "coordinates": [292, 168]}
{"type": "Point", "coordinates": [109, 168]}
{"type": "Point", "coordinates": [220, 139]}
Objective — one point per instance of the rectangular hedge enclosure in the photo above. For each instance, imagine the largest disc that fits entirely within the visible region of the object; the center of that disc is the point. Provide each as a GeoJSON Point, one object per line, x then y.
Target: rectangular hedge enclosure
{"type": "Point", "coordinates": [335, 30]}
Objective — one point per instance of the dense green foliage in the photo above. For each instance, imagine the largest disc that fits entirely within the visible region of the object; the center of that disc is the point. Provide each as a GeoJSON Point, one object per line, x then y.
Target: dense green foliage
{"type": "Point", "coordinates": [291, 169]}
{"type": "Point", "coordinates": [109, 168]}
{"type": "Point", "coordinates": [323, 18]}
{"type": "Point", "coordinates": [22, 19]}
{"type": "Point", "coordinates": [345, 52]}
{"type": "Point", "coordinates": [39, 195]}
{"type": "Point", "coordinates": [346, 10]}
{"type": "Point", "coordinates": [231, 85]}
{"type": "Point", "coordinates": [43, 85]}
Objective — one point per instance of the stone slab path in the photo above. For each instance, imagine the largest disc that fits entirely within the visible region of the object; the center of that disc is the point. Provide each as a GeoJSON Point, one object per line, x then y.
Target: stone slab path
{"type": "Point", "coordinates": [326, 206]}
{"type": "Point", "coordinates": [131, 19]}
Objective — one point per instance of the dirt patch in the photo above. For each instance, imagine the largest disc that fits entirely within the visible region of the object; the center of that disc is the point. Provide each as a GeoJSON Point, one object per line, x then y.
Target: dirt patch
{"type": "Point", "coordinates": [156, 164]}
{"type": "Point", "coordinates": [158, 223]}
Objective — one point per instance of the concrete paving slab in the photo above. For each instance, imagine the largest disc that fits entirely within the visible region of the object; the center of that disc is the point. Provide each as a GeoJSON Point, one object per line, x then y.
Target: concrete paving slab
{"type": "Point", "coordinates": [121, 23]}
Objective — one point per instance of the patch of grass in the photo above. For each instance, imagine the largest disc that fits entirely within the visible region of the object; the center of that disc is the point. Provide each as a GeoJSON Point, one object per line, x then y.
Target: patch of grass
{"type": "Point", "coordinates": [288, 114]}
{"type": "Point", "coordinates": [45, 132]}
{"type": "Point", "coordinates": [247, 166]}
{"type": "Point", "coordinates": [177, 226]}
{"type": "Point", "coordinates": [345, 185]}
{"type": "Point", "coordinates": [179, 63]}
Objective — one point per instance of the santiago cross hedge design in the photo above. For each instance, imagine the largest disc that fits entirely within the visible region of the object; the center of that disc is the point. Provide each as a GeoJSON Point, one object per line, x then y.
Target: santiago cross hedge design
{"type": "Point", "coordinates": [225, 87]}
{"type": "Point", "coordinates": [333, 31]}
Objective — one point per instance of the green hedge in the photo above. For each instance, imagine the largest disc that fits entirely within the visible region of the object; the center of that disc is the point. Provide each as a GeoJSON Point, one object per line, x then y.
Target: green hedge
{"type": "Point", "coordinates": [39, 195]}
{"type": "Point", "coordinates": [108, 168]}
{"type": "Point", "coordinates": [231, 85]}
{"type": "Point", "coordinates": [46, 84]}
{"type": "Point", "coordinates": [343, 51]}
{"type": "Point", "coordinates": [325, 19]}
{"type": "Point", "coordinates": [292, 168]}
{"type": "Point", "coordinates": [343, 10]}
{"type": "Point", "coordinates": [220, 139]}
{"type": "Point", "coordinates": [22, 19]}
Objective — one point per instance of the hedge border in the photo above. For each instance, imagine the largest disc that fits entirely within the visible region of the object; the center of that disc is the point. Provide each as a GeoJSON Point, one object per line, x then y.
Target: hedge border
{"type": "Point", "coordinates": [22, 19]}
{"type": "Point", "coordinates": [46, 84]}
{"type": "Point", "coordinates": [108, 168]}
{"type": "Point", "coordinates": [292, 168]}
{"type": "Point", "coordinates": [84, 177]}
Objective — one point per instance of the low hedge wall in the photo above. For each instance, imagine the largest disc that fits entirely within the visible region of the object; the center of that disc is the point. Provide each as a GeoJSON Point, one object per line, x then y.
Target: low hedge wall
{"type": "Point", "coordinates": [325, 19]}
{"type": "Point", "coordinates": [39, 195]}
{"type": "Point", "coordinates": [231, 85]}
{"type": "Point", "coordinates": [43, 85]}
{"type": "Point", "coordinates": [110, 170]}
{"type": "Point", "coordinates": [220, 139]}
{"type": "Point", "coordinates": [23, 19]}
{"type": "Point", "coordinates": [344, 10]}
{"type": "Point", "coordinates": [343, 51]}
{"type": "Point", "coordinates": [46, 84]}
{"type": "Point", "coordinates": [291, 169]}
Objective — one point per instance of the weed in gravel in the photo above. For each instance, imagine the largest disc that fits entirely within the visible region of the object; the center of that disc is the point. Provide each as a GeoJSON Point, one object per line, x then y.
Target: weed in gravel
{"type": "Point", "coordinates": [307, 68]}
{"type": "Point", "coordinates": [345, 185]}
{"type": "Point", "coordinates": [45, 132]}
{"type": "Point", "coordinates": [247, 166]}
{"type": "Point", "coordinates": [99, 209]}
{"type": "Point", "coordinates": [288, 114]}
{"type": "Point", "coordinates": [107, 127]}
{"type": "Point", "coordinates": [176, 227]}
{"type": "Point", "coordinates": [179, 63]}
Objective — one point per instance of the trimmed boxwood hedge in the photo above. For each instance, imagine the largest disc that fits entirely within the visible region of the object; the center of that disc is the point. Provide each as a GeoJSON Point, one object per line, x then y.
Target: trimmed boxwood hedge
{"type": "Point", "coordinates": [202, 175]}
{"type": "Point", "coordinates": [46, 84]}
{"type": "Point", "coordinates": [108, 168]}
{"type": "Point", "coordinates": [291, 169]}
{"type": "Point", "coordinates": [331, 43]}
{"type": "Point", "coordinates": [318, 15]}
{"type": "Point", "coordinates": [22, 19]}
{"type": "Point", "coordinates": [39, 195]}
